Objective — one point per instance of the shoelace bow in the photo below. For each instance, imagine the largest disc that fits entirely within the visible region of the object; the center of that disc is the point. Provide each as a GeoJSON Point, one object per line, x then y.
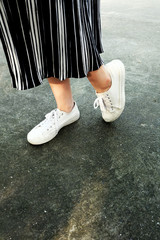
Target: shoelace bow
{"type": "Point", "coordinates": [104, 104]}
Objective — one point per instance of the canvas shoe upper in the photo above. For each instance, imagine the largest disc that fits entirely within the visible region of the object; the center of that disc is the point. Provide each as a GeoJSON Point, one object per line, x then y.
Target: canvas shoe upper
{"type": "Point", "coordinates": [50, 126]}
{"type": "Point", "coordinates": [112, 102]}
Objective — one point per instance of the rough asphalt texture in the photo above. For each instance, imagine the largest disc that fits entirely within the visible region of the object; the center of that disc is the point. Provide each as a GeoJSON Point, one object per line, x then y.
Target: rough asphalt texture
{"type": "Point", "coordinates": [94, 181]}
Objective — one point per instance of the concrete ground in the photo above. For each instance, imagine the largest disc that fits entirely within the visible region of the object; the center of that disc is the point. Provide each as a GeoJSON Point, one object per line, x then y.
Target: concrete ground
{"type": "Point", "coordinates": [94, 181]}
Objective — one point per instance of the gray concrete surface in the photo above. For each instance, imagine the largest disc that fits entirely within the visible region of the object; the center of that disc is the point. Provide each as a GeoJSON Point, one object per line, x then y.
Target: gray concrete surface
{"type": "Point", "coordinates": [94, 181]}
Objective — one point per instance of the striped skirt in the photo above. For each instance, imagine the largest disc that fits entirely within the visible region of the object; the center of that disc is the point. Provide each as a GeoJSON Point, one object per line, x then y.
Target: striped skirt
{"type": "Point", "coordinates": [50, 38]}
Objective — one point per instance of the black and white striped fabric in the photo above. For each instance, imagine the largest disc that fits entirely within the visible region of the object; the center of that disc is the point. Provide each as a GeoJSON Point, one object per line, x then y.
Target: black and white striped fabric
{"type": "Point", "coordinates": [50, 38]}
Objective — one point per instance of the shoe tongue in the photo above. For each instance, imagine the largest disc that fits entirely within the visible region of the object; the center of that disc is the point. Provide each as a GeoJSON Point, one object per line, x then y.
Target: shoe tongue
{"type": "Point", "coordinates": [100, 94]}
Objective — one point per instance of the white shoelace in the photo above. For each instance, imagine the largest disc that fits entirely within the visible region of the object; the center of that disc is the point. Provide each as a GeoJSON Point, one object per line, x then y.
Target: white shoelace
{"type": "Point", "coordinates": [104, 104]}
{"type": "Point", "coordinates": [53, 116]}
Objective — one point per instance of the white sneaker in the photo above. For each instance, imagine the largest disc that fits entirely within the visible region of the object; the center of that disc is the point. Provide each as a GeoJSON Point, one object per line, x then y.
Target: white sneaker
{"type": "Point", "coordinates": [112, 102]}
{"type": "Point", "coordinates": [50, 126]}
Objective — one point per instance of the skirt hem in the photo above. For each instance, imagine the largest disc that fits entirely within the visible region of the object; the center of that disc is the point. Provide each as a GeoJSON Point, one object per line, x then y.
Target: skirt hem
{"type": "Point", "coordinates": [48, 76]}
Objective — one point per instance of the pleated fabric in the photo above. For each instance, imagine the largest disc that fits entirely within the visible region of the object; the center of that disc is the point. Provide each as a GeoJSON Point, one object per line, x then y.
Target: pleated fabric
{"type": "Point", "coordinates": [50, 38]}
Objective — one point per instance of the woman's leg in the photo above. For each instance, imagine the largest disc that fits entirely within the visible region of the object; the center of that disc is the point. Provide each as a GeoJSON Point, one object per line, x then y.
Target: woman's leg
{"type": "Point", "coordinates": [62, 93]}
{"type": "Point", "coordinates": [100, 79]}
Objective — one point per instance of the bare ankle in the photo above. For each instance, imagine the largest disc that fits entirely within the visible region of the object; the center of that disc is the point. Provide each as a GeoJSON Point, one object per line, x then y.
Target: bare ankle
{"type": "Point", "coordinates": [105, 88]}
{"type": "Point", "coordinates": [100, 79]}
{"type": "Point", "coordinates": [67, 108]}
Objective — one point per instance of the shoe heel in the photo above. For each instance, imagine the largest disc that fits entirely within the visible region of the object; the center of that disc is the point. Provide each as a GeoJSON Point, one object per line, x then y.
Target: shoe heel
{"type": "Point", "coordinates": [72, 120]}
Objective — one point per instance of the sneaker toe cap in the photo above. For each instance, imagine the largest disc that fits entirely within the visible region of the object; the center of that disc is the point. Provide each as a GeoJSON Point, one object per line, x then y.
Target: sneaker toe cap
{"type": "Point", "coordinates": [112, 116]}
{"type": "Point", "coordinates": [33, 137]}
